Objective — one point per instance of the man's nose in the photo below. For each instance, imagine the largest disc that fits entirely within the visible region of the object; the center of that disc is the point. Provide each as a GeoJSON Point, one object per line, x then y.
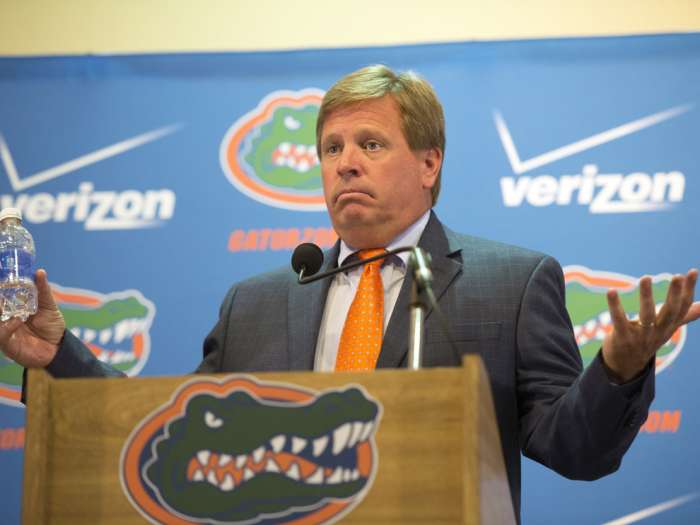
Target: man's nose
{"type": "Point", "coordinates": [348, 163]}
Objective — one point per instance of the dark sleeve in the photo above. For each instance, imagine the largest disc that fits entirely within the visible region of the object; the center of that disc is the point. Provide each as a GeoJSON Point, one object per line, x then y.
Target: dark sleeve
{"type": "Point", "coordinates": [215, 342]}
{"type": "Point", "coordinates": [578, 424]}
{"type": "Point", "coordinates": [74, 359]}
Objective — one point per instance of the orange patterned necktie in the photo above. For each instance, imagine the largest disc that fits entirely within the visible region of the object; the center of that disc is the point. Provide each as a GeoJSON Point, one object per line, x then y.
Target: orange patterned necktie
{"type": "Point", "coordinates": [361, 339]}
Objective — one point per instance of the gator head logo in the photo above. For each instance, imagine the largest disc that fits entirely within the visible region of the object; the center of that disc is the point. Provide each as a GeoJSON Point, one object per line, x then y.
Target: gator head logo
{"type": "Point", "coordinates": [269, 154]}
{"type": "Point", "coordinates": [243, 452]}
{"type": "Point", "coordinates": [588, 308]}
{"type": "Point", "coordinates": [115, 326]}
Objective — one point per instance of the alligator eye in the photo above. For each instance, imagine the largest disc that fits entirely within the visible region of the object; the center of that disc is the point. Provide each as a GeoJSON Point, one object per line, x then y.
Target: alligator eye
{"type": "Point", "coordinates": [212, 421]}
{"type": "Point", "coordinates": [291, 123]}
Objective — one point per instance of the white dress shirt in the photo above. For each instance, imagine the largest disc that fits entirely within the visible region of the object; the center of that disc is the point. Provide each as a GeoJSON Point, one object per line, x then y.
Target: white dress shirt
{"type": "Point", "coordinates": [342, 292]}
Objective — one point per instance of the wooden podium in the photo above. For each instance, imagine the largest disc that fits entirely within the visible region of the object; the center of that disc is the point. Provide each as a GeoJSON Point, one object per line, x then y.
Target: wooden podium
{"type": "Point", "coordinates": [438, 446]}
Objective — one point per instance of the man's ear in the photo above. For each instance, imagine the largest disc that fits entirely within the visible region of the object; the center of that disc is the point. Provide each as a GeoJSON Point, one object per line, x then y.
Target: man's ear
{"type": "Point", "coordinates": [432, 162]}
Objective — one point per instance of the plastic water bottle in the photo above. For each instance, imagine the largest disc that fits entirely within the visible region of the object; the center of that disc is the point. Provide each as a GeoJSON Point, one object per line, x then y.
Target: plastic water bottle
{"type": "Point", "coordinates": [18, 295]}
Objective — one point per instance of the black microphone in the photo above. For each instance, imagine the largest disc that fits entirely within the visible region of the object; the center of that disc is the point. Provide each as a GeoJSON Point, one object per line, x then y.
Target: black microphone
{"type": "Point", "coordinates": [307, 259]}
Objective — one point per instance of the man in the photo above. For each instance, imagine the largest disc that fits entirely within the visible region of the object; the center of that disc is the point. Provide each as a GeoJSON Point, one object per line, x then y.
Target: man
{"type": "Point", "coordinates": [380, 139]}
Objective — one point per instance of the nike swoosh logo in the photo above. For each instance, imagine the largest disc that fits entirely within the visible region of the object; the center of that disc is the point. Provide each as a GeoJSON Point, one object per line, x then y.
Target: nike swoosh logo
{"type": "Point", "coordinates": [19, 184]}
{"type": "Point", "coordinates": [522, 166]}
{"type": "Point", "coordinates": [654, 509]}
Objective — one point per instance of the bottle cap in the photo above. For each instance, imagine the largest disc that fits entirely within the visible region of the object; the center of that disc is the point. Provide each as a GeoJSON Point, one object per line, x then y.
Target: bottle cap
{"type": "Point", "coordinates": [7, 213]}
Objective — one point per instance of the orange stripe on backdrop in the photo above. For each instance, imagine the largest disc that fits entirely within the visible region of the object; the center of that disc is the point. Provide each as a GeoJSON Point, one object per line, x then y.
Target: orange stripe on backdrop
{"type": "Point", "coordinates": [243, 131]}
{"type": "Point", "coordinates": [604, 282]}
{"type": "Point", "coordinates": [75, 299]}
{"type": "Point", "coordinates": [95, 349]}
{"type": "Point", "coordinates": [676, 337]}
{"type": "Point", "coordinates": [14, 395]}
{"type": "Point", "coordinates": [138, 345]}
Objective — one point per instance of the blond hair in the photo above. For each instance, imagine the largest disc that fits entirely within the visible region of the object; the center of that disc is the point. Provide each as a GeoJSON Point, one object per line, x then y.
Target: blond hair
{"type": "Point", "coordinates": [422, 118]}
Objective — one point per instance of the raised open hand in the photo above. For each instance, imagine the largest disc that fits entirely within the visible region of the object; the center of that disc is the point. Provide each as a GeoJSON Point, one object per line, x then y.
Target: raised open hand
{"type": "Point", "coordinates": [629, 347]}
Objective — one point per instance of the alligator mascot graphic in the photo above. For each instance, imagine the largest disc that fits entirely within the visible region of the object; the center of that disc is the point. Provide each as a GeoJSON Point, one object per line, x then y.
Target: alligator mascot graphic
{"type": "Point", "coordinates": [269, 154]}
{"type": "Point", "coordinates": [115, 326]}
{"type": "Point", "coordinates": [588, 308]}
{"type": "Point", "coordinates": [242, 452]}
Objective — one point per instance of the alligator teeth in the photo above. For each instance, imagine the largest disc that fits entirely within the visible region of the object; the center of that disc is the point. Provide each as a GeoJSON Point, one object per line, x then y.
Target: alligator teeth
{"type": "Point", "coordinates": [355, 474]}
{"type": "Point", "coordinates": [293, 471]}
{"type": "Point", "coordinates": [277, 443]}
{"type": "Point", "coordinates": [105, 336]}
{"type": "Point", "coordinates": [247, 474]}
{"type": "Point", "coordinates": [119, 356]}
{"type": "Point", "coordinates": [336, 476]}
{"type": "Point", "coordinates": [604, 317]}
{"type": "Point", "coordinates": [320, 445]}
{"type": "Point", "coordinates": [211, 478]}
{"type": "Point", "coordinates": [198, 475]}
{"type": "Point", "coordinates": [241, 460]}
{"type": "Point", "coordinates": [340, 438]}
{"type": "Point", "coordinates": [89, 335]}
{"type": "Point", "coordinates": [298, 444]}
{"type": "Point", "coordinates": [212, 421]}
{"type": "Point", "coordinates": [347, 475]}
{"type": "Point", "coordinates": [258, 454]}
{"type": "Point", "coordinates": [121, 330]}
{"type": "Point", "coordinates": [224, 459]}
{"type": "Point", "coordinates": [366, 431]}
{"type": "Point", "coordinates": [271, 466]}
{"type": "Point", "coordinates": [228, 484]}
{"type": "Point", "coordinates": [356, 432]}
{"type": "Point", "coordinates": [203, 457]}
{"type": "Point", "coordinates": [317, 477]}
{"type": "Point", "coordinates": [291, 123]}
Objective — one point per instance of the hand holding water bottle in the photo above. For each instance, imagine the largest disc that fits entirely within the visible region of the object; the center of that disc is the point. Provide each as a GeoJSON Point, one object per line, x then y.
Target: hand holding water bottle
{"type": "Point", "coordinates": [31, 325]}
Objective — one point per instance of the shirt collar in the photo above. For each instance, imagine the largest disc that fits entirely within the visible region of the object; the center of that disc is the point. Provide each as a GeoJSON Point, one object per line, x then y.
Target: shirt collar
{"type": "Point", "coordinates": [409, 237]}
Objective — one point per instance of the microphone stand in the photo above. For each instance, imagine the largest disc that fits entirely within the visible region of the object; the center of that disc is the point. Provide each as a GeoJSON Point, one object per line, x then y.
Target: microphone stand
{"type": "Point", "coordinates": [422, 278]}
{"type": "Point", "coordinates": [419, 262]}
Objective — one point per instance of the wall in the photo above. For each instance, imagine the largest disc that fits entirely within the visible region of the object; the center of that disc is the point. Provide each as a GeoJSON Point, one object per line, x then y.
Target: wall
{"type": "Point", "coordinates": [29, 27]}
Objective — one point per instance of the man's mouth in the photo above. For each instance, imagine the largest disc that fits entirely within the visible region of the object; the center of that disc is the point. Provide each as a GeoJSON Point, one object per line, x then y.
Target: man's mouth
{"type": "Point", "coordinates": [351, 193]}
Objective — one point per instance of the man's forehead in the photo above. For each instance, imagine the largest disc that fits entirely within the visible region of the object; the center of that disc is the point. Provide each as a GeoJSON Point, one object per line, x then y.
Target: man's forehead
{"type": "Point", "coordinates": [382, 111]}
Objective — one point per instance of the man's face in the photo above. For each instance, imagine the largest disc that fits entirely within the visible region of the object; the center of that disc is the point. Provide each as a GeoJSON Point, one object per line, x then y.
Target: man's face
{"type": "Point", "coordinates": [374, 185]}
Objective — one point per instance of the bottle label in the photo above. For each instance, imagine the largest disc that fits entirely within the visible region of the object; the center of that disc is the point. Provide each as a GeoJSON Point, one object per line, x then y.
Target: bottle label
{"type": "Point", "coordinates": [16, 264]}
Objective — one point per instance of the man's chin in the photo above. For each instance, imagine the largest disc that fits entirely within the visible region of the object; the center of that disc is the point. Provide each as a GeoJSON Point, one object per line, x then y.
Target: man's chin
{"type": "Point", "coordinates": [359, 228]}
{"type": "Point", "coordinates": [354, 215]}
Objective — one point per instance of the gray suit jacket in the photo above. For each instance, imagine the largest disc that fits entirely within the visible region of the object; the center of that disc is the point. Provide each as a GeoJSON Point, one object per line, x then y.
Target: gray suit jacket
{"type": "Point", "coordinates": [502, 302]}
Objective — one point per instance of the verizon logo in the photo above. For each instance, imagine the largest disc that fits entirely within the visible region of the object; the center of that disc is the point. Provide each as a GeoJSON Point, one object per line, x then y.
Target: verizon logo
{"type": "Point", "coordinates": [601, 192]}
{"type": "Point", "coordinates": [632, 192]}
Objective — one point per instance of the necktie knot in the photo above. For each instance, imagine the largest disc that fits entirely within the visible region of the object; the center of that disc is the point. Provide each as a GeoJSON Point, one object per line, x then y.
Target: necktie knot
{"type": "Point", "coordinates": [366, 254]}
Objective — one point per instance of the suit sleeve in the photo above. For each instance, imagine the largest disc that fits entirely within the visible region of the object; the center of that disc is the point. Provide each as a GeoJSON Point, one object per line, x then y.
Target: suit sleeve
{"type": "Point", "coordinates": [74, 359]}
{"type": "Point", "coordinates": [215, 342]}
{"type": "Point", "coordinates": [578, 424]}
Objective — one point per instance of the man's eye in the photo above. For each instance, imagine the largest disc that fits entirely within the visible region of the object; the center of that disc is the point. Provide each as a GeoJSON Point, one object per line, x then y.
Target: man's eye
{"type": "Point", "coordinates": [372, 145]}
{"type": "Point", "coordinates": [332, 149]}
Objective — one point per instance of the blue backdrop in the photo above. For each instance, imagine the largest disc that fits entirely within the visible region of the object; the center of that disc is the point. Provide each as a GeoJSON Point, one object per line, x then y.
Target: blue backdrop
{"type": "Point", "coordinates": [151, 183]}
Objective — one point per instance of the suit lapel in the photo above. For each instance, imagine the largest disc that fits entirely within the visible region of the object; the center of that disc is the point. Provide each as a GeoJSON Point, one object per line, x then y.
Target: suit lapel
{"type": "Point", "coordinates": [306, 304]}
{"type": "Point", "coordinates": [446, 264]}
